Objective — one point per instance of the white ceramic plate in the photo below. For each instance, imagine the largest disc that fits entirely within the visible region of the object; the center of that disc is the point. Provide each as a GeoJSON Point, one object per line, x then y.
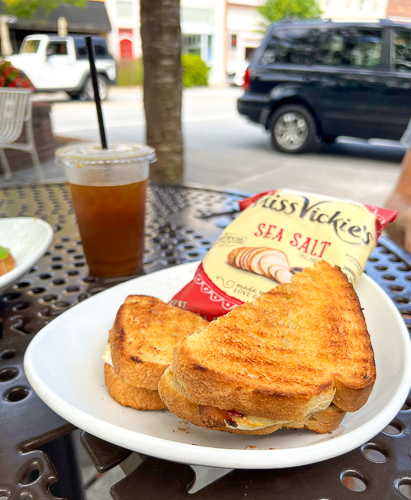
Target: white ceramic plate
{"type": "Point", "coordinates": [28, 239]}
{"type": "Point", "coordinates": [63, 364]}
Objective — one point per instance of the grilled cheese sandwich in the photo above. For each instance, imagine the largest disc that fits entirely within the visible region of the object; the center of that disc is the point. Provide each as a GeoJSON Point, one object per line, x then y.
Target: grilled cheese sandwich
{"type": "Point", "coordinates": [299, 356]}
{"type": "Point", "coordinates": [140, 347]}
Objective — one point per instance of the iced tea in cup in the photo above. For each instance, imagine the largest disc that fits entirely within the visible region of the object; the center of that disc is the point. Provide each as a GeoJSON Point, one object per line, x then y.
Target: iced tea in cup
{"type": "Point", "coordinates": [108, 189]}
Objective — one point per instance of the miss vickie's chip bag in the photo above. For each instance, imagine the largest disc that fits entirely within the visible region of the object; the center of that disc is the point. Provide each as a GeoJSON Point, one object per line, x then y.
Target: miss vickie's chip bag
{"type": "Point", "coordinates": [278, 234]}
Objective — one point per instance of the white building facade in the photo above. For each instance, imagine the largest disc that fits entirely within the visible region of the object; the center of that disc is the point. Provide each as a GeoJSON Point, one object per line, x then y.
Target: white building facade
{"type": "Point", "coordinates": [223, 32]}
{"type": "Point", "coordinates": [124, 40]}
{"type": "Point", "coordinates": [203, 33]}
{"type": "Point", "coordinates": [202, 26]}
{"type": "Point", "coordinates": [355, 10]}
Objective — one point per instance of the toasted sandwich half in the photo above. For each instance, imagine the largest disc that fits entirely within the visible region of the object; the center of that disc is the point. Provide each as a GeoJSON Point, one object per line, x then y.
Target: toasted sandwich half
{"type": "Point", "coordinates": [299, 356]}
{"type": "Point", "coordinates": [140, 348]}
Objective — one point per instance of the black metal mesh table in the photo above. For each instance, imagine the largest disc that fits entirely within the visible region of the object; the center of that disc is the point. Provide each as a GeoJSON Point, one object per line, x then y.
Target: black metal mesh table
{"type": "Point", "coordinates": [182, 223]}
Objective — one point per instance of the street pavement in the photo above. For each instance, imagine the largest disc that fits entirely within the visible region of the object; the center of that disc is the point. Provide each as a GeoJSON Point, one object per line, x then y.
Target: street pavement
{"type": "Point", "coordinates": [224, 150]}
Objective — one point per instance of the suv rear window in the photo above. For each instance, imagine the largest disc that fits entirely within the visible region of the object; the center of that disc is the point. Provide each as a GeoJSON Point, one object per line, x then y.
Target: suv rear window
{"type": "Point", "coordinates": [345, 46]}
{"type": "Point", "coordinates": [402, 55]}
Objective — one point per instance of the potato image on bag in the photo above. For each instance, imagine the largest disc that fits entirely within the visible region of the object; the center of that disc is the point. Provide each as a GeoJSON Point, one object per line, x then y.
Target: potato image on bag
{"type": "Point", "coordinates": [266, 261]}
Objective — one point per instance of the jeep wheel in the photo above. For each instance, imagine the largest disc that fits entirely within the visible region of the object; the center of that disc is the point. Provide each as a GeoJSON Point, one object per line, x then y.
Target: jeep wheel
{"type": "Point", "coordinates": [88, 94]}
{"type": "Point", "coordinates": [292, 129]}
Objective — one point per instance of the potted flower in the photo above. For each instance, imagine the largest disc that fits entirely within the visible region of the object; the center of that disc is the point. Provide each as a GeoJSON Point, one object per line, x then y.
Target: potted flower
{"type": "Point", "coordinates": [13, 78]}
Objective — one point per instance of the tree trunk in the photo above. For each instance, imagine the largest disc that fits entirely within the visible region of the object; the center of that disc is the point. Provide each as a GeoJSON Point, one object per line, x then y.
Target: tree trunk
{"type": "Point", "coordinates": [161, 44]}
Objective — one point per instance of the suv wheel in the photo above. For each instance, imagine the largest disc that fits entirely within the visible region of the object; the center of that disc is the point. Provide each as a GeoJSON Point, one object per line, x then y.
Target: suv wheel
{"type": "Point", "coordinates": [88, 94]}
{"type": "Point", "coordinates": [292, 129]}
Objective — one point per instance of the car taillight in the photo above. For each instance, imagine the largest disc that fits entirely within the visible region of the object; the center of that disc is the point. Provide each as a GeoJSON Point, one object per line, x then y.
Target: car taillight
{"type": "Point", "coordinates": [246, 78]}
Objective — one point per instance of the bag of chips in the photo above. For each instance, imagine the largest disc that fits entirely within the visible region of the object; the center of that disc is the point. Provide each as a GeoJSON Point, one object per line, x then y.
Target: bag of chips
{"type": "Point", "coordinates": [278, 234]}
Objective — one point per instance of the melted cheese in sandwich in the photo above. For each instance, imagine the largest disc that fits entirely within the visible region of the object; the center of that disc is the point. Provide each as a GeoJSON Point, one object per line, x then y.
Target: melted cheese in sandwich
{"type": "Point", "coordinates": [107, 355]}
{"type": "Point", "coordinates": [249, 423]}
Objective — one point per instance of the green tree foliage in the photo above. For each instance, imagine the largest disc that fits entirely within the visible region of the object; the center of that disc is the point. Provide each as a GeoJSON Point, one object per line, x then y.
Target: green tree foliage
{"type": "Point", "coordinates": [195, 70]}
{"type": "Point", "coordinates": [275, 10]}
{"type": "Point", "coordinates": [27, 8]}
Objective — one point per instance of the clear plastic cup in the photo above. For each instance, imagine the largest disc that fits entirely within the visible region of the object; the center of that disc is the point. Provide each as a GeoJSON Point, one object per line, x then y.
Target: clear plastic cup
{"type": "Point", "coordinates": [108, 189]}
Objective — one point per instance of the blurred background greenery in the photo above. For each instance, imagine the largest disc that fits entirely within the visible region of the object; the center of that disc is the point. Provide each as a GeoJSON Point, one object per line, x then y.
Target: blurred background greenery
{"type": "Point", "coordinates": [195, 71]}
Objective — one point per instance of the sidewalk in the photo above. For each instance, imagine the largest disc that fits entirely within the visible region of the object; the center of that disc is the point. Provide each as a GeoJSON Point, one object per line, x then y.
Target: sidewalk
{"type": "Point", "coordinates": [52, 173]}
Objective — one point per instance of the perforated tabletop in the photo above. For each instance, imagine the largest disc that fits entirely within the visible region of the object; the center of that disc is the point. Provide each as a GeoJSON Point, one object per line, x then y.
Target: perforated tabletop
{"type": "Point", "coordinates": [182, 223]}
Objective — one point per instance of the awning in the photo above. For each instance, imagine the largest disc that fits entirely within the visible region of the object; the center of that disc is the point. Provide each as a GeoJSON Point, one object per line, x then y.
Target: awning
{"type": "Point", "coordinates": [92, 19]}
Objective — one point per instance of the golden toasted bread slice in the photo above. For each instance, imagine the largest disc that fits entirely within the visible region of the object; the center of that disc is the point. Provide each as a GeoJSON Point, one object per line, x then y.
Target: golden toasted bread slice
{"type": "Point", "coordinates": [287, 355]}
{"type": "Point", "coordinates": [215, 418]}
{"type": "Point", "coordinates": [143, 337]}
{"type": "Point", "coordinates": [127, 395]}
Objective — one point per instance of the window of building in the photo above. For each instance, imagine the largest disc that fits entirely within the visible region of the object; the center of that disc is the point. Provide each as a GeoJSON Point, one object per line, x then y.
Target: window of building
{"type": "Point", "coordinates": [192, 44]}
{"type": "Point", "coordinates": [402, 56]}
{"type": "Point", "coordinates": [249, 53]}
{"type": "Point", "coordinates": [349, 46]}
{"type": "Point", "coordinates": [125, 31]}
{"type": "Point", "coordinates": [124, 8]}
{"type": "Point", "coordinates": [233, 42]}
{"type": "Point", "coordinates": [56, 49]}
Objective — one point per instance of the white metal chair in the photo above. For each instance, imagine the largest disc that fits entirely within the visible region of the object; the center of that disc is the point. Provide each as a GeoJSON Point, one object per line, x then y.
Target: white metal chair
{"type": "Point", "coordinates": [16, 113]}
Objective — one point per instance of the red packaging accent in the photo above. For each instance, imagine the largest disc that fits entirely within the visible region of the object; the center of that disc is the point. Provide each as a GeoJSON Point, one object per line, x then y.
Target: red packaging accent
{"type": "Point", "coordinates": [243, 204]}
{"type": "Point", "coordinates": [203, 291]}
{"type": "Point", "coordinates": [383, 217]}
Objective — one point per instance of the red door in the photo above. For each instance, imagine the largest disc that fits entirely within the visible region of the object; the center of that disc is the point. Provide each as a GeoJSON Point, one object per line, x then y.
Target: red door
{"type": "Point", "coordinates": [126, 49]}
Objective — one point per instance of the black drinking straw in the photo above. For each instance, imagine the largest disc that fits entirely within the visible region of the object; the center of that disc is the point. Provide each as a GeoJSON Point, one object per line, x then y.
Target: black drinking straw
{"type": "Point", "coordinates": [90, 53]}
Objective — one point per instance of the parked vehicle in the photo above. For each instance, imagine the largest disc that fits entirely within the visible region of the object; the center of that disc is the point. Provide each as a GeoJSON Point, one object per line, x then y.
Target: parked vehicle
{"type": "Point", "coordinates": [56, 63]}
{"type": "Point", "coordinates": [235, 73]}
{"type": "Point", "coordinates": [326, 79]}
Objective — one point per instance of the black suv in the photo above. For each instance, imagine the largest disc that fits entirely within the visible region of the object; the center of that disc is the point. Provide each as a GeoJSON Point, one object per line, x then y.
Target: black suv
{"type": "Point", "coordinates": [326, 79]}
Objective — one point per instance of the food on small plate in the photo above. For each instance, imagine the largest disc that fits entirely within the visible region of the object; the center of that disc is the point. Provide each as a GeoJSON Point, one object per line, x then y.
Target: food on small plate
{"type": "Point", "coordinates": [299, 356]}
{"type": "Point", "coordinates": [7, 261]}
{"type": "Point", "coordinates": [140, 348]}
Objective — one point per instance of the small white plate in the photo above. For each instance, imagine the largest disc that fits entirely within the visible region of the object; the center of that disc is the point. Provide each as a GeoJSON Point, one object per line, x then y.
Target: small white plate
{"type": "Point", "coordinates": [64, 366]}
{"type": "Point", "coordinates": [27, 238]}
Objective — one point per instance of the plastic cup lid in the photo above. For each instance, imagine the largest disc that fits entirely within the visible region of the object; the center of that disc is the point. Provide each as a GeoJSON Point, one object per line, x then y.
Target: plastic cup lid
{"type": "Point", "coordinates": [91, 154]}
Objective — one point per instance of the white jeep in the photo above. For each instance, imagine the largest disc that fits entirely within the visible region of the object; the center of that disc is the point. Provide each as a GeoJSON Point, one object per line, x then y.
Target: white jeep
{"type": "Point", "coordinates": [54, 63]}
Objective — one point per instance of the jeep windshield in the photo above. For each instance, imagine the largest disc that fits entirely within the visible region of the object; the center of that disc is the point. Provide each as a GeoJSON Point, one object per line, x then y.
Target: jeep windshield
{"type": "Point", "coordinates": [30, 47]}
